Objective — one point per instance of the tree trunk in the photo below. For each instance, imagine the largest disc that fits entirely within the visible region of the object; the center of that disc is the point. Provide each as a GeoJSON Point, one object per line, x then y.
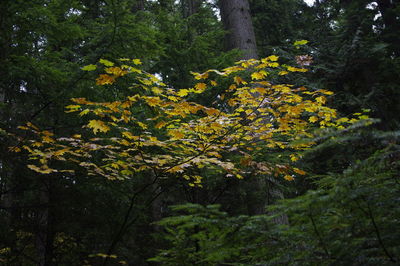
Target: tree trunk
{"type": "Point", "coordinates": [190, 7]}
{"type": "Point", "coordinates": [236, 18]}
{"type": "Point", "coordinates": [139, 5]}
{"type": "Point", "coordinates": [45, 233]}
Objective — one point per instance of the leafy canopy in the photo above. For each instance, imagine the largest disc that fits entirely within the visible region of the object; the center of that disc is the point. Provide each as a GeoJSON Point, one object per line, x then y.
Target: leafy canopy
{"type": "Point", "coordinates": [160, 130]}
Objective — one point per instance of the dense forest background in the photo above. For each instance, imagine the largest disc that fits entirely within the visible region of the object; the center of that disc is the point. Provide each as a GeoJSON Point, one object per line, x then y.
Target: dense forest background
{"type": "Point", "coordinates": [345, 211]}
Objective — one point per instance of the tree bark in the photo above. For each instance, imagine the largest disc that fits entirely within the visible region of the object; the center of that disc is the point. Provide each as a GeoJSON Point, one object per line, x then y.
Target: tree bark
{"type": "Point", "coordinates": [45, 233]}
{"type": "Point", "coordinates": [235, 15]}
{"type": "Point", "coordinates": [139, 5]}
{"type": "Point", "coordinates": [190, 7]}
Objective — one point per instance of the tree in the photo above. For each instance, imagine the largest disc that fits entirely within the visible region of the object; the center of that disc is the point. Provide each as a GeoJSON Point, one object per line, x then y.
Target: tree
{"type": "Point", "coordinates": [389, 9]}
{"type": "Point", "coordinates": [158, 133]}
{"type": "Point", "coordinates": [351, 36]}
{"type": "Point", "coordinates": [45, 45]}
{"type": "Point", "coordinates": [237, 21]}
{"type": "Point", "coordinates": [347, 218]}
{"type": "Point", "coordinates": [80, 216]}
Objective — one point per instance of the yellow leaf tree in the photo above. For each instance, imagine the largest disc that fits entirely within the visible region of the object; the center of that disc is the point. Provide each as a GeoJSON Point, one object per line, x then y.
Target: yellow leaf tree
{"type": "Point", "coordinates": [160, 130]}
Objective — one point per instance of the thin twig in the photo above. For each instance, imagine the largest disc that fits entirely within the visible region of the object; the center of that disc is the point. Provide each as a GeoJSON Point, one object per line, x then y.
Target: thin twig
{"type": "Point", "coordinates": [317, 233]}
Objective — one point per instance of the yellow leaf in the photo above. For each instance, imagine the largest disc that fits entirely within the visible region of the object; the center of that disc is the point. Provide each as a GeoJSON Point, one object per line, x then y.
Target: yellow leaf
{"type": "Point", "coordinates": [342, 120]}
{"type": "Point", "coordinates": [176, 134]}
{"type": "Point", "coordinates": [133, 69]}
{"type": "Point", "coordinates": [124, 105]}
{"type": "Point", "coordinates": [299, 171]}
{"type": "Point", "coordinates": [211, 111]}
{"type": "Point", "coordinates": [47, 139]}
{"type": "Point", "coordinates": [239, 176]}
{"type": "Point", "coordinates": [72, 108]}
{"type": "Point", "coordinates": [232, 87]}
{"type": "Point", "coordinates": [142, 125]}
{"type": "Point", "coordinates": [213, 83]}
{"type": "Point", "coordinates": [61, 152]}
{"type": "Point", "coordinates": [133, 98]}
{"type": "Point", "coordinates": [106, 62]}
{"type": "Point", "coordinates": [281, 73]}
{"type": "Point", "coordinates": [326, 92]}
{"type": "Point", "coordinates": [89, 68]}
{"type": "Point", "coordinates": [321, 99]}
{"type": "Point", "coordinates": [295, 69]}
{"type": "Point", "coordinates": [298, 43]}
{"type": "Point", "coordinates": [104, 79]}
{"type": "Point", "coordinates": [37, 144]}
{"type": "Point", "coordinates": [232, 69]}
{"type": "Point", "coordinates": [154, 139]}
{"type": "Point", "coordinates": [200, 87]}
{"type": "Point", "coordinates": [285, 89]}
{"type": "Point", "coordinates": [261, 90]}
{"type": "Point", "coordinates": [80, 100]}
{"type": "Point", "coordinates": [160, 124]}
{"type": "Point", "coordinates": [115, 165]}
{"type": "Point", "coordinates": [232, 102]}
{"type": "Point", "coordinates": [44, 169]}
{"type": "Point", "coordinates": [128, 135]}
{"type": "Point", "coordinates": [116, 71]}
{"type": "Point", "coordinates": [146, 82]}
{"type": "Point", "coordinates": [156, 90]}
{"type": "Point", "coordinates": [238, 80]}
{"type": "Point", "coordinates": [273, 58]}
{"type": "Point", "coordinates": [137, 61]}
{"type": "Point", "coordinates": [173, 98]}
{"type": "Point", "coordinates": [214, 153]}
{"type": "Point", "coordinates": [216, 126]}
{"type": "Point", "coordinates": [153, 78]}
{"type": "Point", "coordinates": [84, 112]}
{"type": "Point", "coordinates": [199, 76]}
{"type": "Point", "coordinates": [14, 149]}
{"type": "Point", "coordinates": [182, 93]}
{"type": "Point", "coordinates": [313, 119]}
{"type": "Point", "coordinates": [176, 169]}
{"type": "Point", "coordinates": [288, 178]}
{"type": "Point", "coordinates": [258, 75]}
{"type": "Point", "coordinates": [293, 158]}
{"type": "Point", "coordinates": [98, 125]}
{"type": "Point", "coordinates": [153, 101]}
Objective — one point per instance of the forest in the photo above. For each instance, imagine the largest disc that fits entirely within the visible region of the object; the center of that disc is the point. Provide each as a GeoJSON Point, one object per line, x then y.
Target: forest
{"type": "Point", "coordinates": [199, 132]}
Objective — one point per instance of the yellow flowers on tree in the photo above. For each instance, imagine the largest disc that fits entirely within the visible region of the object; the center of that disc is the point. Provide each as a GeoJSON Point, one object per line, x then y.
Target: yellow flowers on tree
{"type": "Point", "coordinates": [160, 130]}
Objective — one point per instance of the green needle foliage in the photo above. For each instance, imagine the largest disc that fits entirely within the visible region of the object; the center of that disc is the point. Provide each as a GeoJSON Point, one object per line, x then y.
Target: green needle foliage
{"type": "Point", "coordinates": [349, 219]}
{"type": "Point", "coordinates": [346, 212]}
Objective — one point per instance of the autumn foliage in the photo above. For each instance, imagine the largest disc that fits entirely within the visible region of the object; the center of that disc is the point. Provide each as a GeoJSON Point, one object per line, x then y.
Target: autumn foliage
{"type": "Point", "coordinates": [164, 132]}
